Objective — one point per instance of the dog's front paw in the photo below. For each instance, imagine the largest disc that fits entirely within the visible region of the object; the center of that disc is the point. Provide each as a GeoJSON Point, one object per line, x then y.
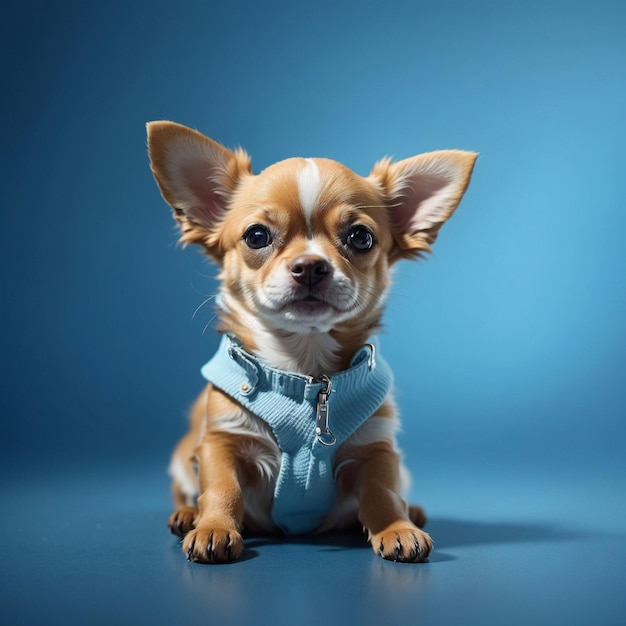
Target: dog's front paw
{"type": "Point", "coordinates": [402, 541]}
{"type": "Point", "coordinates": [213, 545]}
{"type": "Point", "coordinates": [182, 521]}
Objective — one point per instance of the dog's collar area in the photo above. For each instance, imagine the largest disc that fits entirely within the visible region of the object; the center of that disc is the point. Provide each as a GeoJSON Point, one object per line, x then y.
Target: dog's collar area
{"type": "Point", "coordinates": [297, 386]}
{"type": "Point", "coordinates": [310, 419]}
{"type": "Point", "coordinates": [294, 385]}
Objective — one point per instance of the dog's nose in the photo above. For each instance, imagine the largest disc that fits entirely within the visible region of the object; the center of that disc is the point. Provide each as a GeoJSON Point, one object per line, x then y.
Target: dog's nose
{"type": "Point", "coordinates": [308, 269]}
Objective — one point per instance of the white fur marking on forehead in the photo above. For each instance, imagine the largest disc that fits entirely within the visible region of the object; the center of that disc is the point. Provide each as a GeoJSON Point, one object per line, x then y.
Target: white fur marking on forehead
{"type": "Point", "coordinates": [313, 247]}
{"type": "Point", "coordinates": [309, 187]}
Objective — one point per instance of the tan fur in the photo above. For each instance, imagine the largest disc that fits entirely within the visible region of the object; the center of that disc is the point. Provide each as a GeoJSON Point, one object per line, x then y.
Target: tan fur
{"type": "Point", "coordinates": [310, 329]}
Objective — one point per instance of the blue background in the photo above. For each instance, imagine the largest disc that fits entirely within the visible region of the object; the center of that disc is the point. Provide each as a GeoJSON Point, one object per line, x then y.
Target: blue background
{"type": "Point", "coordinates": [508, 344]}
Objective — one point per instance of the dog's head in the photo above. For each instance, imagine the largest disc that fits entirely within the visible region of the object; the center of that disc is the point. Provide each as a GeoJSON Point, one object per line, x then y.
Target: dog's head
{"type": "Point", "coordinates": [306, 245]}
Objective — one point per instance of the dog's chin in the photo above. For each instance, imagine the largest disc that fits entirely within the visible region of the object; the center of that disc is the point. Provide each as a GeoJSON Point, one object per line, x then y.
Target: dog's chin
{"type": "Point", "coordinates": [306, 315]}
{"type": "Point", "coordinates": [309, 308]}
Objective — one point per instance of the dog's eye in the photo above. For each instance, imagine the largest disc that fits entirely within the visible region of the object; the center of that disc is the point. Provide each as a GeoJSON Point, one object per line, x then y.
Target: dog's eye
{"type": "Point", "coordinates": [360, 238]}
{"type": "Point", "coordinates": [257, 237]}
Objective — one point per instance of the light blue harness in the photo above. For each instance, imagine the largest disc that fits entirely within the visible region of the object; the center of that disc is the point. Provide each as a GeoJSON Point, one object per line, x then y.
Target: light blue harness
{"type": "Point", "coordinates": [309, 418]}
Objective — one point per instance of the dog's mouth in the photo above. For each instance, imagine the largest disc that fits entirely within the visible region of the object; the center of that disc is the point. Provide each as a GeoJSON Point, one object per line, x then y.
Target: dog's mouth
{"type": "Point", "coordinates": [308, 310]}
{"type": "Point", "coordinates": [309, 305]}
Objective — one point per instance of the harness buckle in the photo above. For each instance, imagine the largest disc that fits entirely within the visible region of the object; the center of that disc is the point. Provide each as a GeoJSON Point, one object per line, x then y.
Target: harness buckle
{"type": "Point", "coordinates": [371, 362]}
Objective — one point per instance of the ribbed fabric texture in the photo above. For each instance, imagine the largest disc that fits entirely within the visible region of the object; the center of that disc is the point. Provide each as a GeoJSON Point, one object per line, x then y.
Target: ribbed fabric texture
{"type": "Point", "coordinates": [305, 487]}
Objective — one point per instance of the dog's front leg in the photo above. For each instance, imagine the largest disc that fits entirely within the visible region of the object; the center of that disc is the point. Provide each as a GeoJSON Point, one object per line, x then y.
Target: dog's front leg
{"type": "Point", "coordinates": [216, 537]}
{"type": "Point", "coordinates": [382, 511]}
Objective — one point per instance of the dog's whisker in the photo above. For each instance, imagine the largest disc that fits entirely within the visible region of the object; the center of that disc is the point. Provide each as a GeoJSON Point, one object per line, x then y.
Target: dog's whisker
{"type": "Point", "coordinates": [208, 324]}
{"type": "Point", "coordinates": [202, 304]}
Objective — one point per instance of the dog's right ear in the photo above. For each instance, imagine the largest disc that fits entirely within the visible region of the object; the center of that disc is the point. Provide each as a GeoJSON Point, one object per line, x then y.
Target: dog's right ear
{"type": "Point", "coordinates": [197, 178]}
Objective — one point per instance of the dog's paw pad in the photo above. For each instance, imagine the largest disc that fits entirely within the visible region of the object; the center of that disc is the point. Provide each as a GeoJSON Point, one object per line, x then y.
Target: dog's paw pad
{"type": "Point", "coordinates": [404, 542]}
{"type": "Point", "coordinates": [213, 545]}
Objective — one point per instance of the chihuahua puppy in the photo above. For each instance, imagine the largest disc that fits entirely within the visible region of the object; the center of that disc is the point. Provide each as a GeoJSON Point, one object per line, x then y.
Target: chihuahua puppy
{"type": "Point", "coordinates": [295, 431]}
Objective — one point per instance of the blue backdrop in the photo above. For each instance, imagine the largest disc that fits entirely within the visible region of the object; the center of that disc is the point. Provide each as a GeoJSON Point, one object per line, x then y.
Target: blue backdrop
{"type": "Point", "coordinates": [512, 333]}
{"type": "Point", "coordinates": [511, 336]}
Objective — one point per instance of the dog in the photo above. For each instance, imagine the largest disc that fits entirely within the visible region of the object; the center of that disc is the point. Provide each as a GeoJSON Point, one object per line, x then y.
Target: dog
{"type": "Point", "coordinates": [295, 431]}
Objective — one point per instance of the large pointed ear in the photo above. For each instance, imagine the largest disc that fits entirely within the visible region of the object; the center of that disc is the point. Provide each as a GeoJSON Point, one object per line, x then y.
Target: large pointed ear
{"type": "Point", "coordinates": [196, 176]}
{"type": "Point", "coordinates": [423, 192]}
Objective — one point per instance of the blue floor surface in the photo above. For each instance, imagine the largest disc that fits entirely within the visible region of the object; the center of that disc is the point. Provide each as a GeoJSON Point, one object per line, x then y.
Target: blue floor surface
{"type": "Point", "coordinates": [91, 547]}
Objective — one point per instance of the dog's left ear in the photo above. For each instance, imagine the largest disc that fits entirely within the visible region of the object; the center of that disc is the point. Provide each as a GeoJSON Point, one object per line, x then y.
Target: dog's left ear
{"type": "Point", "coordinates": [422, 193]}
{"type": "Point", "coordinates": [197, 177]}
